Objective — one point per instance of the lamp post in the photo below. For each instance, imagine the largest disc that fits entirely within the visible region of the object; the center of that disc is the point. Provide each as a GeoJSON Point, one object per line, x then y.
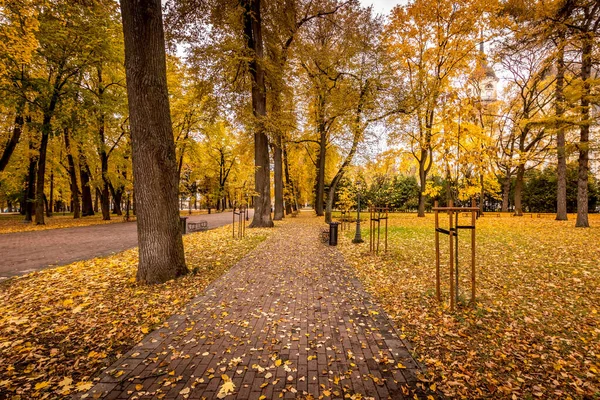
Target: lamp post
{"type": "Point", "coordinates": [357, 237]}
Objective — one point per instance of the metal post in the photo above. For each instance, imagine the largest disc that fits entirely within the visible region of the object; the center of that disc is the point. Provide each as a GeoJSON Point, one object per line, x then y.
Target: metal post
{"type": "Point", "coordinates": [456, 256]}
{"type": "Point", "coordinates": [437, 254]}
{"type": "Point", "coordinates": [450, 233]}
{"type": "Point", "coordinates": [473, 220]}
{"type": "Point", "coordinates": [357, 237]}
{"type": "Point", "coordinates": [378, 229]}
{"type": "Point", "coordinates": [371, 227]}
{"type": "Point", "coordinates": [386, 227]}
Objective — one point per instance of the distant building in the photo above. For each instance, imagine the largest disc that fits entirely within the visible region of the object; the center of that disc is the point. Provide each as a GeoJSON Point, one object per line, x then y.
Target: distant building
{"type": "Point", "coordinates": [483, 80]}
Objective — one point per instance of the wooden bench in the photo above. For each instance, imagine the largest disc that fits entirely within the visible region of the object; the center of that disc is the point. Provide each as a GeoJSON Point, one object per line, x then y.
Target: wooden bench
{"type": "Point", "coordinates": [294, 214]}
{"type": "Point", "coordinates": [197, 226]}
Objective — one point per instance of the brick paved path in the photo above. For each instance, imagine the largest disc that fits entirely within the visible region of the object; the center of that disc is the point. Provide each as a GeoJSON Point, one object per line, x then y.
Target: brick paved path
{"type": "Point", "coordinates": [288, 321]}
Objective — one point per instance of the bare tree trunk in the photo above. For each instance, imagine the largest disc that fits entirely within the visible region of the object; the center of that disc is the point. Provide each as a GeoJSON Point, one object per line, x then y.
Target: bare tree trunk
{"type": "Point", "coordinates": [72, 176]}
{"type": "Point", "coordinates": [584, 134]}
{"type": "Point", "coordinates": [41, 170]}
{"type": "Point", "coordinates": [481, 194]}
{"type": "Point", "coordinates": [153, 148]}
{"type": "Point", "coordinates": [14, 138]}
{"type": "Point", "coordinates": [86, 191]}
{"type": "Point", "coordinates": [288, 183]}
{"type": "Point", "coordinates": [425, 162]}
{"type": "Point", "coordinates": [505, 192]}
{"type": "Point", "coordinates": [96, 200]}
{"type": "Point", "coordinates": [117, 196]}
{"type": "Point", "coordinates": [278, 179]}
{"type": "Point", "coordinates": [262, 174]}
{"type": "Point", "coordinates": [561, 169]}
{"type": "Point", "coordinates": [519, 190]}
{"type": "Point", "coordinates": [320, 178]}
{"type": "Point", "coordinates": [104, 194]}
{"type": "Point", "coordinates": [30, 191]}
{"type": "Point", "coordinates": [422, 183]}
{"type": "Point", "coordinates": [51, 201]}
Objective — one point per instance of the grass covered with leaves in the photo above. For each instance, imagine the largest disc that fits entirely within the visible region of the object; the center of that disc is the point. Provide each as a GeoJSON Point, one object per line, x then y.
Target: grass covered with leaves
{"type": "Point", "coordinates": [535, 330]}
{"type": "Point", "coordinates": [14, 222]}
{"type": "Point", "coordinates": [59, 327]}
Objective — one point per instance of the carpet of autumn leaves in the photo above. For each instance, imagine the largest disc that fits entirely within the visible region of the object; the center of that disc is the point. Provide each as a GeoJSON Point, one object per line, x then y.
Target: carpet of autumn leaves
{"type": "Point", "coordinates": [14, 223]}
{"type": "Point", "coordinates": [59, 327]}
{"type": "Point", "coordinates": [535, 330]}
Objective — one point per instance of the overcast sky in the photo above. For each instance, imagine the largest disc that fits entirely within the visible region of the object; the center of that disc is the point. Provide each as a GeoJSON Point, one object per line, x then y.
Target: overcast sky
{"type": "Point", "coordinates": [382, 6]}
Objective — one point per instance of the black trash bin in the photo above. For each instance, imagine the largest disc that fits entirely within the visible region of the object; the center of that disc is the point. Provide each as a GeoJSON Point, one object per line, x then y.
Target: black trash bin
{"type": "Point", "coordinates": [333, 233]}
{"type": "Point", "coordinates": [183, 221]}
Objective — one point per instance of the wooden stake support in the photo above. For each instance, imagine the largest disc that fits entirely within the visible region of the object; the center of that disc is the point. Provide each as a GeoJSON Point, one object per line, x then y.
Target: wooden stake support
{"type": "Point", "coordinates": [378, 214]}
{"type": "Point", "coordinates": [345, 224]}
{"type": "Point", "coordinates": [452, 232]}
{"type": "Point", "coordinates": [239, 219]}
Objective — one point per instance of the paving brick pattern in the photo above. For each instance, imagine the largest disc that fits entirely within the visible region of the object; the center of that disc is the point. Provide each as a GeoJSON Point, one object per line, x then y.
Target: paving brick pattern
{"type": "Point", "coordinates": [288, 321]}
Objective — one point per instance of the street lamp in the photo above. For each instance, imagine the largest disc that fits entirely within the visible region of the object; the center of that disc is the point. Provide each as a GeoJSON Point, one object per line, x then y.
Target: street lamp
{"type": "Point", "coordinates": [357, 237]}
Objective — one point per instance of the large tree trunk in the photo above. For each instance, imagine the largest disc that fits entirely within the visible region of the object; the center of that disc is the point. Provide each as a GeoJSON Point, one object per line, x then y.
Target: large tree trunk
{"type": "Point", "coordinates": [153, 147]}
{"type": "Point", "coordinates": [481, 194]}
{"type": "Point", "coordinates": [519, 190]}
{"type": "Point", "coordinates": [320, 178]}
{"type": "Point", "coordinates": [104, 194]}
{"type": "Point", "coordinates": [14, 138]}
{"type": "Point", "coordinates": [262, 174]}
{"type": "Point", "coordinates": [425, 161]}
{"type": "Point", "coordinates": [86, 190]}
{"type": "Point", "coordinates": [41, 170]}
{"type": "Point", "coordinates": [288, 184]}
{"type": "Point", "coordinates": [51, 201]}
{"type": "Point", "coordinates": [584, 134]}
{"type": "Point", "coordinates": [278, 179]}
{"type": "Point", "coordinates": [72, 176]}
{"type": "Point", "coordinates": [505, 192]}
{"type": "Point", "coordinates": [278, 213]}
{"type": "Point", "coordinates": [117, 200]}
{"type": "Point", "coordinates": [422, 183]}
{"type": "Point", "coordinates": [561, 170]}
{"type": "Point", "coordinates": [117, 195]}
{"type": "Point", "coordinates": [30, 190]}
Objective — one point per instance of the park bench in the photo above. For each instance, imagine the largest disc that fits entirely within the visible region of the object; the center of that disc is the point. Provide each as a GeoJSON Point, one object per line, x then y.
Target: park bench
{"type": "Point", "coordinates": [197, 226]}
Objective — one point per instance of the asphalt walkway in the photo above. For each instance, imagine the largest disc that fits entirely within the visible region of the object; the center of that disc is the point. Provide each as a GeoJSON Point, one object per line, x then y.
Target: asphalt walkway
{"type": "Point", "coordinates": [24, 252]}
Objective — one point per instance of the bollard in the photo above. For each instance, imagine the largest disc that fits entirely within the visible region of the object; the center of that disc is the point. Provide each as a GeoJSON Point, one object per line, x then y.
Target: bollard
{"type": "Point", "coordinates": [333, 233]}
{"type": "Point", "coordinates": [183, 221]}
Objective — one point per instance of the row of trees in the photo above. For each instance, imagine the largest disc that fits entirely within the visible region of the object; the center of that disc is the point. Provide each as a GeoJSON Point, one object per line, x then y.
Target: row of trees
{"type": "Point", "coordinates": [310, 84]}
{"type": "Point", "coordinates": [401, 192]}
{"type": "Point", "coordinates": [65, 123]}
{"type": "Point", "coordinates": [460, 130]}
